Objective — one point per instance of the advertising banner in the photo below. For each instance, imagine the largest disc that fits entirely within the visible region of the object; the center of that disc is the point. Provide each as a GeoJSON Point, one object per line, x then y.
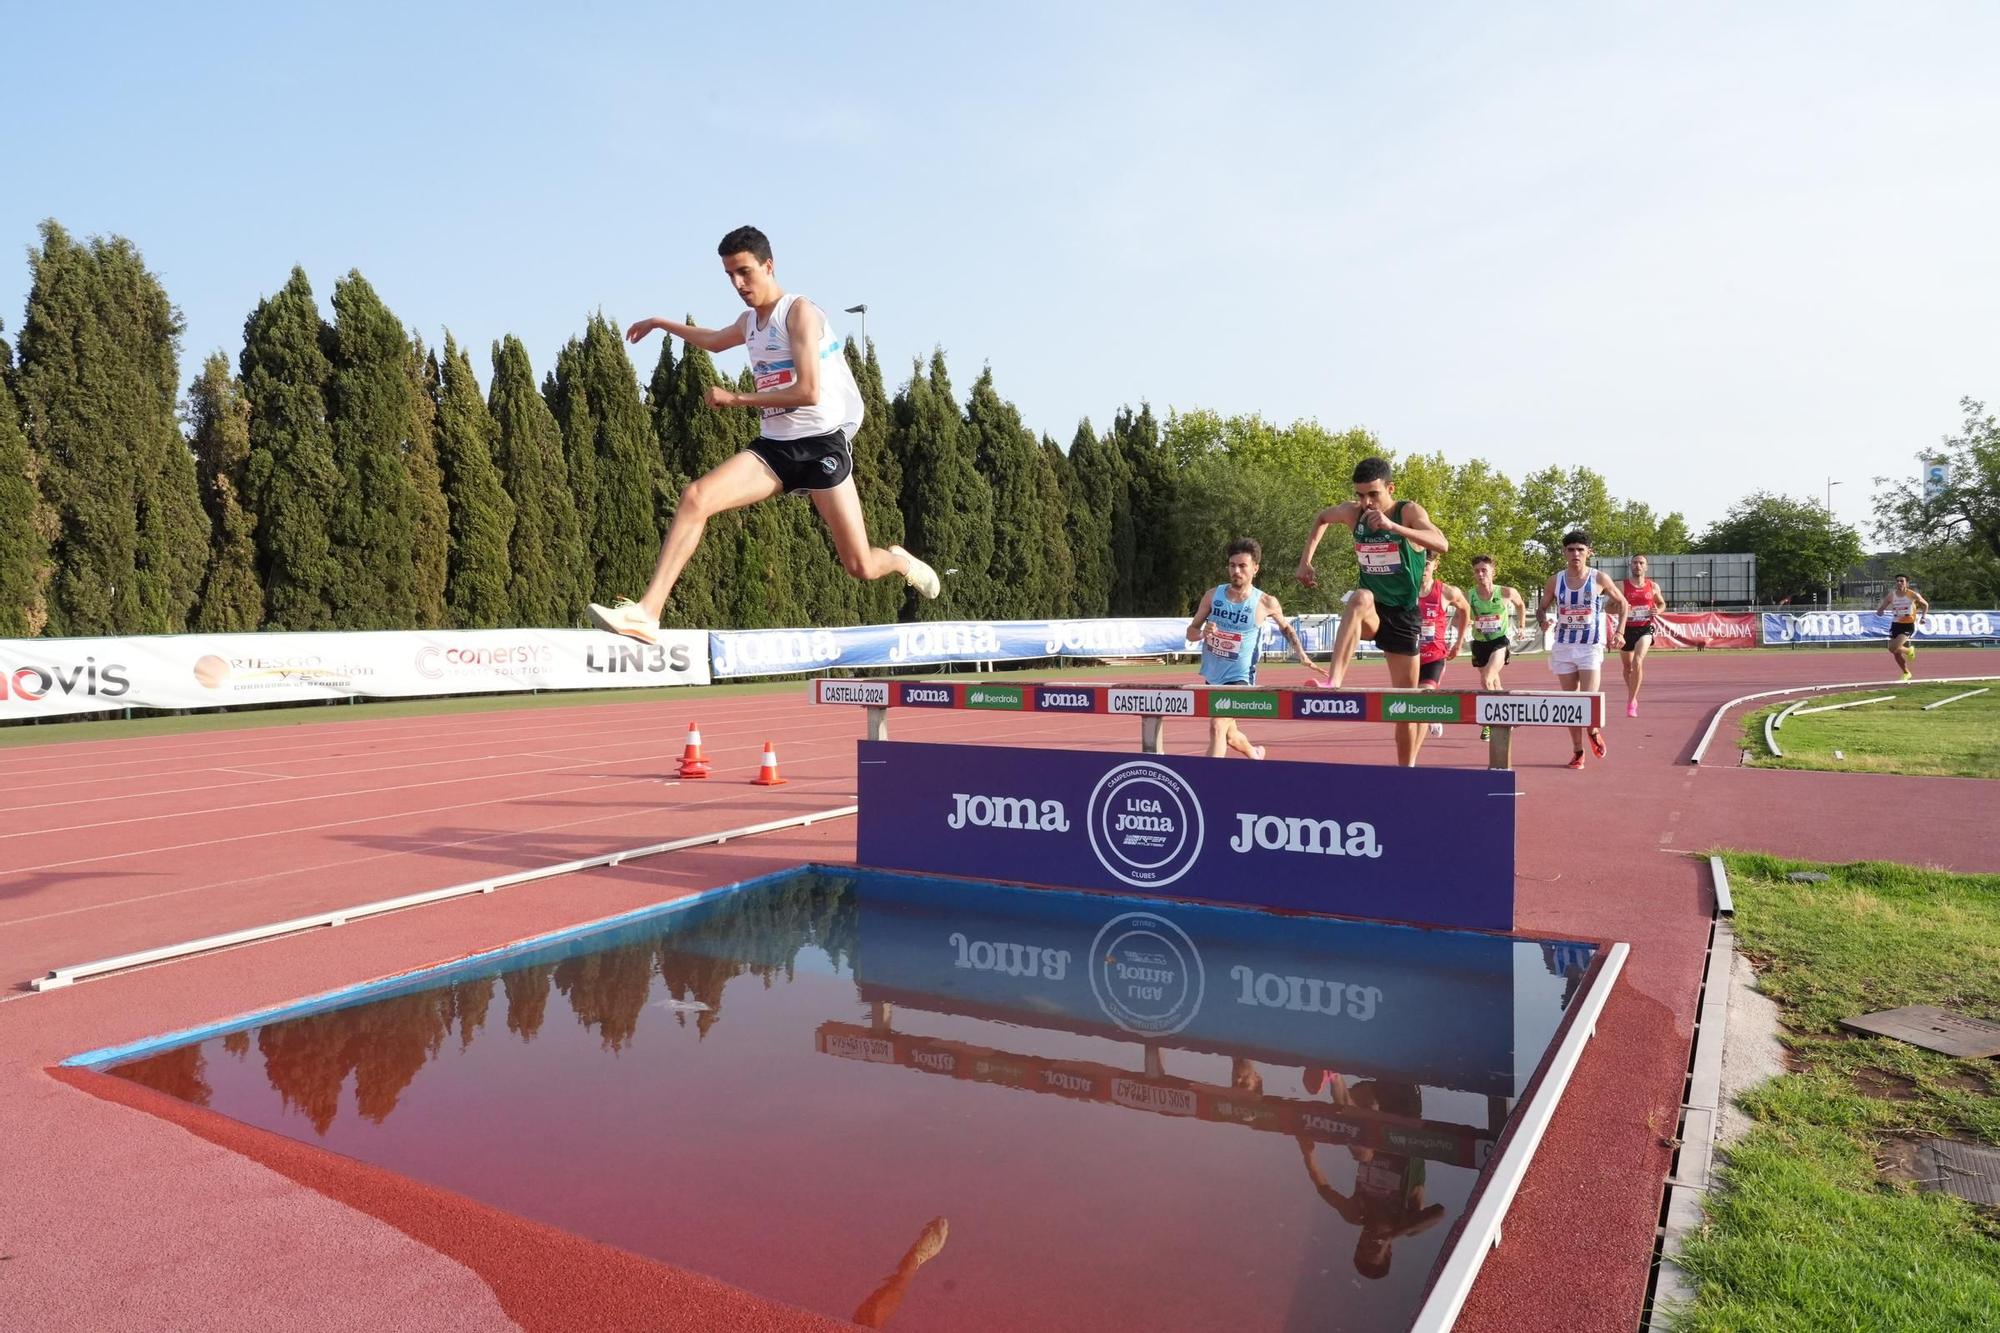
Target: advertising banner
{"type": "Point", "coordinates": [1353, 840]}
{"type": "Point", "coordinates": [1709, 629]}
{"type": "Point", "coordinates": [53, 677]}
{"type": "Point", "coordinates": [1873, 627]}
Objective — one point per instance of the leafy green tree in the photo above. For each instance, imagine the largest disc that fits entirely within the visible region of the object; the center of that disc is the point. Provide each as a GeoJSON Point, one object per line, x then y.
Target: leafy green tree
{"type": "Point", "coordinates": [1559, 501]}
{"type": "Point", "coordinates": [545, 551]}
{"type": "Point", "coordinates": [1798, 546]}
{"type": "Point", "coordinates": [98, 380]}
{"type": "Point", "coordinates": [1951, 537]}
{"type": "Point", "coordinates": [291, 479]}
{"type": "Point", "coordinates": [23, 546]}
{"type": "Point", "coordinates": [1005, 453]}
{"type": "Point", "coordinates": [370, 414]}
{"type": "Point", "coordinates": [218, 421]}
{"type": "Point", "coordinates": [477, 595]}
{"type": "Point", "coordinates": [947, 503]}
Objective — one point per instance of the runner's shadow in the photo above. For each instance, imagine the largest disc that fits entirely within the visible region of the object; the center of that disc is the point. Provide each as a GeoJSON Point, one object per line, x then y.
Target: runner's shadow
{"type": "Point", "coordinates": [23, 886]}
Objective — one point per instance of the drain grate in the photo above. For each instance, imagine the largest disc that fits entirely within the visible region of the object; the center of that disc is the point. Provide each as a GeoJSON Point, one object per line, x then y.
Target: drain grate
{"type": "Point", "coordinates": [1934, 1029]}
{"type": "Point", "coordinates": [1969, 1170]}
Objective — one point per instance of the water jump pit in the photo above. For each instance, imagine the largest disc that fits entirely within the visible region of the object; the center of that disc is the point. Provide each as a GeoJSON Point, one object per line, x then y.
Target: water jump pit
{"type": "Point", "coordinates": [941, 1104]}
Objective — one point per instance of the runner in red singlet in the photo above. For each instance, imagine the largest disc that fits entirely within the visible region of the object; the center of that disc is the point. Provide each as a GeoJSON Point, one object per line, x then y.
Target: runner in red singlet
{"type": "Point", "coordinates": [1432, 650]}
{"type": "Point", "coordinates": [1645, 599]}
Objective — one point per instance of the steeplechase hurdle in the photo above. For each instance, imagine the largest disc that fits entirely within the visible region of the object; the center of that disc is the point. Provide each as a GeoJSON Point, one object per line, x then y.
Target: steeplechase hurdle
{"type": "Point", "coordinates": [1154, 704]}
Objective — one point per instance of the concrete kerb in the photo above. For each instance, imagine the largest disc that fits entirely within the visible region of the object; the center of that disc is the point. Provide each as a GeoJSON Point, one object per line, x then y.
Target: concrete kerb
{"type": "Point", "coordinates": [1736, 1047]}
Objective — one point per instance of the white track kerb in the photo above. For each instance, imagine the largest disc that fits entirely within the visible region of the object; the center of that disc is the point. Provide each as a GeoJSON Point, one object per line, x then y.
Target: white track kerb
{"type": "Point", "coordinates": [64, 976]}
{"type": "Point", "coordinates": [1482, 1225]}
{"type": "Point", "coordinates": [1716, 721]}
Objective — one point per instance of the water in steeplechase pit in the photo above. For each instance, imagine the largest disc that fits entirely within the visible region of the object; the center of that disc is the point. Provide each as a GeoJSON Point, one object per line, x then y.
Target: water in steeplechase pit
{"type": "Point", "coordinates": [937, 1105]}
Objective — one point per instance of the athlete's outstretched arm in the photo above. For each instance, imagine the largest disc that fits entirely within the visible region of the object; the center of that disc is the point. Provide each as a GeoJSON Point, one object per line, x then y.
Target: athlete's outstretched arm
{"type": "Point", "coordinates": [803, 327]}
{"type": "Point", "coordinates": [1417, 526]}
{"type": "Point", "coordinates": [709, 340]}
{"type": "Point", "coordinates": [1200, 621]}
{"type": "Point", "coordinates": [1326, 518]}
{"type": "Point", "coordinates": [1277, 613]}
{"type": "Point", "coordinates": [1461, 618]}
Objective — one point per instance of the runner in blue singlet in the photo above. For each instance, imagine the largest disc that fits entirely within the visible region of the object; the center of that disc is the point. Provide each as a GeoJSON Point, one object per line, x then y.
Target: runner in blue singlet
{"type": "Point", "coordinates": [1229, 626]}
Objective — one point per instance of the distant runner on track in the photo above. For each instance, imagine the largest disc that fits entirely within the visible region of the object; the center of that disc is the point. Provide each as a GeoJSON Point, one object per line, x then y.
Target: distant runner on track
{"type": "Point", "coordinates": [1496, 609]}
{"type": "Point", "coordinates": [1644, 596]}
{"type": "Point", "coordinates": [1904, 604]}
{"type": "Point", "coordinates": [810, 408]}
{"type": "Point", "coordinates": [1446, 616]}
{"type": "Point", "coordinates": [1577, 594]}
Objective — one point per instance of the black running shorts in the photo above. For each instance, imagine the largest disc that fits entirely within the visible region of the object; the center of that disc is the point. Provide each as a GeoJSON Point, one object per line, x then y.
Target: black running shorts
{"type": "Point", "coordinates": [1430, 673]}
{"type": "Point", "coordinates": [1399, 629]}
{"type": "Point", "coordinates": [1483, 650]}
{"type": "Point", "coordinates": [1902, 629]}
{"type": "Point", "coordinates": [814, 463]}
{"type": "Point", "coordinates": [1634, 633]}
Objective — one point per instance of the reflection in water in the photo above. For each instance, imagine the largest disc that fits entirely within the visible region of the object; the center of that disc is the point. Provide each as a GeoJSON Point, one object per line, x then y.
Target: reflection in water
{"type": "Point", "coordinates": [897, 1050]}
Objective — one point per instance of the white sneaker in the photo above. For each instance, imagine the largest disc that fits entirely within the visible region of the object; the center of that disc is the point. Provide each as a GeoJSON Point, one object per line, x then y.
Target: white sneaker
{"type": "Point", "coordinates": [920, 575]}
{"type": "Point", "coordinates": [1437, 728]}
{"type": "Point", "coordinates": [627, 618]}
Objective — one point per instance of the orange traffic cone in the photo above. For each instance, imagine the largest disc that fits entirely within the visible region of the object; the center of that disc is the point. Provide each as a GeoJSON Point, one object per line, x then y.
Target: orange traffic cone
{"type": "Point", "coordinates": [694, 764]}
{"type": "Point", "coordinates": [767, 772]}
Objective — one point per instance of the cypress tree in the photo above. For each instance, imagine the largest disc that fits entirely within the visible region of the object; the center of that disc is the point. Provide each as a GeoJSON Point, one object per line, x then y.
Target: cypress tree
{"type": "Point", "coordinates": [947, 503]}
{"type": "Point", "coordinates": [694, 439]}
{"type": "Point", "coordinates": [879, 479]}
{"type": "Point", "coordinates": [372, 419]}
{"type": "Point", "coordinates": [291, 480]}
{"type": "Point", "coordinates": [218, 418]}
{"type": "Point", "coordinates": [563, 390]}
{"type": "Point", "coordinates": [630, 481]}
{"type": "Point", "coordinates": [481, 515]}
{"type": "Point", "coordinates": [98, 381]}
{"type": "Point", "coordinates": [1146, 575]}
{"type": "Point", "coordinates": [430, 540]}
{"type": "Point", "coordinates": [1052, 486]}
{"type": "Point", "coordinates": [1004, 452]}
{"type": "Point", "coordinates": [23, 547]}
{"type": "Point", "coordinates": [1094, 492]}
{"type": "Point", "coordinates": [545, 550]}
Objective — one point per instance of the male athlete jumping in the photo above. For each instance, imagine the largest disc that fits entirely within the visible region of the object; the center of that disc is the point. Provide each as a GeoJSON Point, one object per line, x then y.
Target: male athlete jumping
{"type": "Point", "coordinates": [811, 408]}
{"type": "Point", "coordinates": [1230, 627]}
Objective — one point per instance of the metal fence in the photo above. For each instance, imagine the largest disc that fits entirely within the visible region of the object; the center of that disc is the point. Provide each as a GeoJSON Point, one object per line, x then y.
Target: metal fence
{"type": "Point", "coordinates": [1695, 580]}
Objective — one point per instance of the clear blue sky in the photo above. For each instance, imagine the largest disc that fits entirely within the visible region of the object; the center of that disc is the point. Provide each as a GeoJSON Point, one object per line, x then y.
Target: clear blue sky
{"type": "Point", "coordinates": [1702, 248]}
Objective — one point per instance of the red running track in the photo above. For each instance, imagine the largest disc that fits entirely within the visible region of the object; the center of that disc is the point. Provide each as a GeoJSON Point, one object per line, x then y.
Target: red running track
{"type": "Point", "coordinates": [112, 1218]}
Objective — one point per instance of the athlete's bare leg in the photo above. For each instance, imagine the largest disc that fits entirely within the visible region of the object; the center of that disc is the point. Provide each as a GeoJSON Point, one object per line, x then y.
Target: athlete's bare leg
{"type": "Point", "coordinates": [1357, 622]}
{"type": "Point", "coordinates": [1635, 667]}
{"type": "Point", "coordinates": [1224, 735]}
{"type": "Point", "coordinates": [733, 484]}
{"type": "Point", "coordinates": [881, 1303]}
{"type": "Point", "coordinates": [1409, 735]}
{"type": "Point", "coordinates": [840, 509]}
{"type": "Point", "coordinates": [1588, 682]}
{"type": "Point", "coordinates": [1489, 675]}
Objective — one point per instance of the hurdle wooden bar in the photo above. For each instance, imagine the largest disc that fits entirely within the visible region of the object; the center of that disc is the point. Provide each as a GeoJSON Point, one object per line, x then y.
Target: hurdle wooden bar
{"type": "Point", "coordinates": [1154, 704]}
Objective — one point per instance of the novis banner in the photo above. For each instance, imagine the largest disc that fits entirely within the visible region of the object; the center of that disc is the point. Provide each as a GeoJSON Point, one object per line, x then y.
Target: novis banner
{"type": "Point", "coordinates": [1434, 846]}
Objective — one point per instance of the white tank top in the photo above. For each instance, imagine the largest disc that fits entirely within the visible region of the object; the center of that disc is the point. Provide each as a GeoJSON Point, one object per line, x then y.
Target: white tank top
{"type": "Point", "coordinates": [774, 365]}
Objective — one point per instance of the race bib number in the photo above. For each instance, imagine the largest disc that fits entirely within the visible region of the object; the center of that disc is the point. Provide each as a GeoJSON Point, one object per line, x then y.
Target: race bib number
{"type": "Point", "coordinates": [1576, 617]}
{"type": "Point", "coordinates": [1378, 557]}
{"type": "Point", "coordinates": [1640, 615]}
{"type": "Point", "coordinates": [1222, 642]}
{"type": "Point", "coordinates": [1428, 634]}
{"type": "Point", "coordinates": [1487, 624]}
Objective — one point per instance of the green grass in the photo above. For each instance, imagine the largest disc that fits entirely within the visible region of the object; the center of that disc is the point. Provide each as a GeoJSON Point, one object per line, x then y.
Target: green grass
{"type": "Point", "coordinates": [1803, 1233]}
{"type": "Point", "coordinates": [1959, 740]}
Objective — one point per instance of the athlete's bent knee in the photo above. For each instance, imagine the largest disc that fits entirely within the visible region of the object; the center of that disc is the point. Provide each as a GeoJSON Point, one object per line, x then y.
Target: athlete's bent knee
{"type": "Point", "coordinates": [855, 563]}
{"type": "Point", "coordinates": [694, 500]}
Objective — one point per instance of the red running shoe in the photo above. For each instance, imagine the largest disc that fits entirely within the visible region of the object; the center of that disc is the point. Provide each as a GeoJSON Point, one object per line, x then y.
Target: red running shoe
{"type": "Point", "coordinates": [1596, 742]}
{"type": "Point", "coordinates": [1578, 761]}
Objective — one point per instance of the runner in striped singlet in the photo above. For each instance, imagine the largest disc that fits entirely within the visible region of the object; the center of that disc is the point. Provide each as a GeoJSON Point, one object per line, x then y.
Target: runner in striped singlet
{"type": "Point", "coordinates": [1903, 604]}
{"type": "Point", "coordinates": [1577, 594]}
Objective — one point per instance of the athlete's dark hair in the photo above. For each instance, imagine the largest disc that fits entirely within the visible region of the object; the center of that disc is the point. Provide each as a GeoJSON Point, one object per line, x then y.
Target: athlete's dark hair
{"type": "Point", "coordinates": [1371, 469]}
{"type": "Point", "coordinates": [1249, 546]}
{"type": "Point", "coordinates": [1576, 536]}
{"type": "Point", "coordinates": [746, 238]}
{"type": "Point", "coordinates": [1905, 578]}
{"type": "Point", "coordinates": [1479, 560]}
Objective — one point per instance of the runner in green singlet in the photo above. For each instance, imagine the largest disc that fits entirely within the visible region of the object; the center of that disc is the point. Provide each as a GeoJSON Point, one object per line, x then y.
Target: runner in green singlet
{"type": "Point", "coordinates": [1496, 609]}
{"type": "Point", "coordinates": [1390, 538]}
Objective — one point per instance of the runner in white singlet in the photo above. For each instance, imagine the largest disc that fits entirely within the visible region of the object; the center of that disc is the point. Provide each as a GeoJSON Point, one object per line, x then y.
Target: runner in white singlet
{"type": "Point", "coordinates": [1903, 604]}
{"type": "Point", "coordinates": [1574, 598]}
{"type": "Point", "coordinates": [810, 408]}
